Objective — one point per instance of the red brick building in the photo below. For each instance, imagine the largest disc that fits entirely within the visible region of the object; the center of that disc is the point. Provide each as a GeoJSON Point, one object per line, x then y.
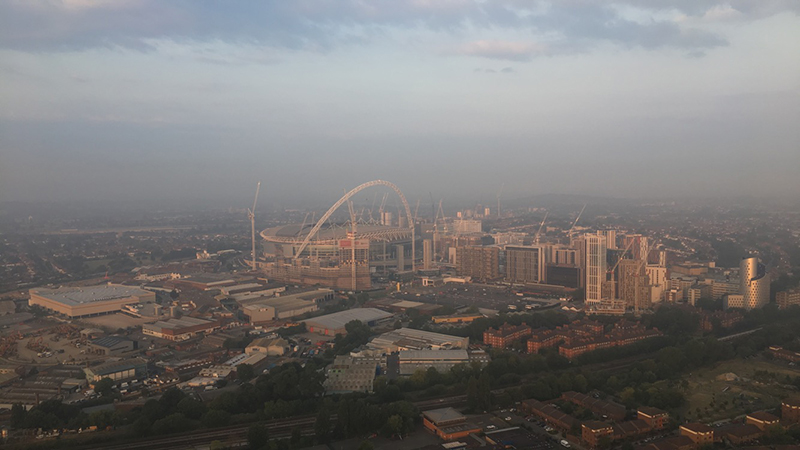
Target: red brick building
{"type": "Point", "coordinates": [610, 410]}
{"type": "Point", "coordinates": [699, 434]}
{"type": "Point", "coordinates": [790, 410]}
{"type": "Point", "coordinates": [505, 335]}
{"type": "Point", "coordinates": [762, 419]}
{"type": "Point", "coordinates": [593, 432]}
{"type": "Point", "coordinates": [655, 418]}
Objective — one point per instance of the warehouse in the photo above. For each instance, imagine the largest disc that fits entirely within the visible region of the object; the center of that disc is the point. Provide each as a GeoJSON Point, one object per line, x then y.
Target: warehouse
{"type": "Point", "coordinates": [117, 370]}
{"type": "Point", "coordinates": [333, 324]}
{"type": "Point", "coordinates": [441, 360]}
{"type": "Point", "coordinates": [112, 345]}
{"type": "Point", "coordinates": [179, 329]}
{"type": "Point", "coordinates": [86, 301]}
{"type": "Point", "coordinates": [268, 346]}
{"type": "Point", "coordinates": [411, 339]}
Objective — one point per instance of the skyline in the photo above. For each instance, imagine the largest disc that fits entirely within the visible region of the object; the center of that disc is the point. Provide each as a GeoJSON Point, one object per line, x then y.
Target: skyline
{"type": "Point", "coordinates": [119, 101]}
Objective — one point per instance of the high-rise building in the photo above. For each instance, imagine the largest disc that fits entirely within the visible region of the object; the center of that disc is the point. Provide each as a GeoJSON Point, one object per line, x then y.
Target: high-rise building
{"type": "Point", "coordinates": [482, 263]}
{"type": "Point", "coordinates": [611, 238]}
{"type": "Point", "coordinates": [638, 246]}
{"type": "Point", "coordinates": [427, 254]}
{"type": "Point", "coordinates": [595, 267]}
{"type": "Point", "coordinates": [753, 283]}
{"type": "Point", "coordinates": [525, 264]}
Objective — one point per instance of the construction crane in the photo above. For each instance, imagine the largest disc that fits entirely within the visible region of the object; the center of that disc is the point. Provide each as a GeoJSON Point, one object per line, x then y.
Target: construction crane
{"type": "Point", "coordinates": [251, 214]}
{"type": "Point", "coordinates": [539, 231]}
{"type": "Point", "coordinates": [498, 198]}
{"type": "Point", "coordinates": [569, 233]}
{"type": "Point", "coordinates": [416, 210]}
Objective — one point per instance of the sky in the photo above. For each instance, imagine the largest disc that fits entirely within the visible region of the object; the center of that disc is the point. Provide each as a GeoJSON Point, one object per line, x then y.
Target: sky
{"type": "Point", "coordinates": [104, 100]}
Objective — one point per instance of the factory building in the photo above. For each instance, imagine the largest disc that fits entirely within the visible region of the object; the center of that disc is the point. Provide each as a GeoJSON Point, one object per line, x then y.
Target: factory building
{"type": "Point", "coordinates": [333, 324]}
{"type": "Point", "coordinates": [179, 329]}
{"type": "Point", "coordinates": [268, 346]}
{"type": "Point", "coordinates": [86, 301]}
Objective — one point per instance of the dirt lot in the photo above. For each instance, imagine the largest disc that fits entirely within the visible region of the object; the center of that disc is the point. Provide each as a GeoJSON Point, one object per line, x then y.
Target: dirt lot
{"type": "Point", "coordinates": [496, 298]}
{"type": "Point", "coordinates": [71, 352]}
{"type": "Point", "coordinates": [718, 399]}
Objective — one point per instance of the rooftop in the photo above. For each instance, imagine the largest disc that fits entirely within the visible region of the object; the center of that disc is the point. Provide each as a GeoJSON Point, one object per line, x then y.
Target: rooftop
{"type": "Point", "coordinates": [441, 355]}
{"type": "Point", "coordinates": [413, 339]}
{"type": "Point", "coordinates": [340, 319]}
{"type": "Point", "coordinates": [697, 428]}
{"type": "Point", "coordinates": [174, 324]}
{"type": "Point", "coordinates": [109, 341]}
{"type": "Point", "coordinates": [74, 296]}
{"type": "Point", "coordinates": [763, 416]}
{"type": "Point", "coordinates": [443, 415]}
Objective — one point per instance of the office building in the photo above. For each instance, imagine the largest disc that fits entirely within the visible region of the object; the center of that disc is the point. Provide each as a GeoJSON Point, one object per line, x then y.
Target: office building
{"type": "Point", "coordinates": [611, 238]}
{"type": "Point", "coordinates": [87, 301]}
{"type": "Point", "coordinates": [754, 283]}
{"type": "Point", "coordinates": [595, 266]}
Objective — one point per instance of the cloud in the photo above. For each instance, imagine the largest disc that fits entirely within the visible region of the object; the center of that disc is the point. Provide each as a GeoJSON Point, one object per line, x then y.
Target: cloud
{"type": "Point", "coordinates": [506, 50]}
{"type": "Point", "coordinates": [507, 70]}
{"type": "Point", "coordinates": [322, 25]}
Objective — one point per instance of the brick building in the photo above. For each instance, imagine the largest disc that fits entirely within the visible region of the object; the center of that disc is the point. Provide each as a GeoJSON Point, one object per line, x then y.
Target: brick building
{"type": "Point", "coordinates": [790, 410]}
{"type": "Point", "coordinates": [655, 418]}
{"type": "Point", "coordinates": [762, 419]}
{"type": "Point", "coordinates": [699, 433]}
{"type": "Point", "coordinates": [505, 335]}
{"type": "Point", "coordinates": [594, 432]}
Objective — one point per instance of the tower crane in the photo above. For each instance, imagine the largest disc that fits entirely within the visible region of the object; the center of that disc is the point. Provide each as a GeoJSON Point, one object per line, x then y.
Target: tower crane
{"type": "Point", "coordinates": [251, 214]}
{"type": "Point", "coordinates": [569, 233]}
{"type": "Point", "coordinates": [539, 231]}
{"type": "Point", "coordinates": [502, 186]}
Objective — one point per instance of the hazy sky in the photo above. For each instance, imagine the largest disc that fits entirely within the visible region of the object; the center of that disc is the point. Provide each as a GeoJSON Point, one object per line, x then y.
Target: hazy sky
{"type": "Point", "coordinates": [129, 99]}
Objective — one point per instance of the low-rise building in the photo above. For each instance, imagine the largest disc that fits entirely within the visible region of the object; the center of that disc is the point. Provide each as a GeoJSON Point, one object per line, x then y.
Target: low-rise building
{"type": "Point", "coordinates": [739, 434]}
{"type": "Point", "coordinates": [284, 307]}
{"type": "Point", "coordinates": [790, 410]}
{"type": "Point", "coordinates": [268, 346]}
{"type": "Point", "coordinates": [351, 374]}
{"type": "Point", "coordinates": [112, 345]}
{"type": "Point", "coordinates": [218, 372]}
{"type": "Point", "coordinates": [611, 410]}
{"type": "Point", "coordinates": [413, 339]}
{"type": "Point", "coordinates": [762, 419]}
{"type": "Point", "coordinates": [786, 299]}
{"type": "Point", "coordinates": [594, 432]}
{"type": "Point", "coordinates": [441, 360]}
{"type": "Point", "coordinates": [117, 370]}
{"type": "Point", "coordinates": [784, 354]}
{"type": "Point", "coordinates": [179, 329]}
{"type": "Point", "coordinates": [549, 414]}
{"type": "Point", "coordinates": [87, 301]}
{"type": "Point", "coordinates": [448, 424]}
{"type": "Point", "coordinates": [506, 335]}
{"type": "Point", "coordinates": [699, 433]}
{"type": "Point", "coordinates": [333, 324]}
{"type": "Point", "coordinates": [656, 418]}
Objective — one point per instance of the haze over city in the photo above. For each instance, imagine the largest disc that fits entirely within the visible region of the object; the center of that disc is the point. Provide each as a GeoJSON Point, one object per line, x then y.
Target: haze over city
{"type": "Point", "coordinates": [134, 100]}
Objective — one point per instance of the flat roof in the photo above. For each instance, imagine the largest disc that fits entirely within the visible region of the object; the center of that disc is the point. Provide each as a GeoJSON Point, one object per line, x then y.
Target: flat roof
{"type": "Point", "coordinates": [408, 337]}
{"type": "Point", "coordinates": [443, 415]}
{"type": "Point", "coordinates": [174, 324]}
{"type": "Point", "coordinates": [74, 296]}
{"type": "Point", "coordinates": [338, 320]}
{"type": "Point", "coordinates": [109, 341]}
{"type": "Point", "coordinates": [281, 303]}
{"type": "Point", "coordinates": [443, 355]}
{"type": "Point", "coordinates": [116, 366]}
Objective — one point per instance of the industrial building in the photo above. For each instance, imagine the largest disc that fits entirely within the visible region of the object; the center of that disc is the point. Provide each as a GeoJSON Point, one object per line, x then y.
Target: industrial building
{"type": "Point", "coordinates": [112, 345]}
{"type": "Point", "coordinates": [411, 339]}
{"type": "Point", "coordinates": [441, 360]}
{"type": "Point", "coordinates": [86, 301]}
{"type": "Point", "coordinates": [268, 346]}
{"type": "Point", "coordinates": [284, 307]}
{"type": "Point", "coordinates": [117, 370]}
{"type": "Point", "coordinates": [448, 424]}
{"type": "Point", "coordinates": [179, 329]}
{"type": "Point", "coordinates": [332, 324]}
{"type": "Point", "coordinates": [351, 374]}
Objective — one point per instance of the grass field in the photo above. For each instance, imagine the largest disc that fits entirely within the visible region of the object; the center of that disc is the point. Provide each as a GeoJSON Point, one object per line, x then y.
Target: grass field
{"type": "Point", "coordinates": [711, 397]}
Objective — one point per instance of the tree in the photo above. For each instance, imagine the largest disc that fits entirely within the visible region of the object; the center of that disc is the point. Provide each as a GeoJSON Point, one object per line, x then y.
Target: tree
{"type": "Point", "coordinates": [104, 387]}
{"type": "Point", "coordinates": [191, 408]}
{"type": "Point", "coordinates": [322, 426]}
{"type": "Point", "coordinates": [18, 413]}
{"type": "Point", "coordinates": [245, 372]}
{"type": "Point", "coordinates": [215, 418]}
{"type": "Point", "coordinates": [257, 436]}
{"type": "Point", "coordinates": [472, 394]}
{"type": "Point", "coordinates": [394, 426]}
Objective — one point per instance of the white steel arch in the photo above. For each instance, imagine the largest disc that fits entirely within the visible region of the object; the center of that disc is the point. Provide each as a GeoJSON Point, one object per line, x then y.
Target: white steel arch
{"type": "Point", "coordinates": [347, 196]}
